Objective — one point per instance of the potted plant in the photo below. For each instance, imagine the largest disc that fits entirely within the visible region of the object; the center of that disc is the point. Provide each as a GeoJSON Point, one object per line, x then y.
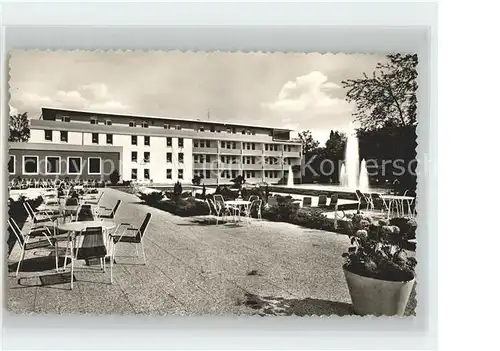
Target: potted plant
{"type": "Point", "coordinates": [379, 274]}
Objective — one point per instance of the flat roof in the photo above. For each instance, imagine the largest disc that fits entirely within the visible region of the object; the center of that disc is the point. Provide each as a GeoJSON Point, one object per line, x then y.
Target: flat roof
{"type": "Point", "coordinates": [196, 120]}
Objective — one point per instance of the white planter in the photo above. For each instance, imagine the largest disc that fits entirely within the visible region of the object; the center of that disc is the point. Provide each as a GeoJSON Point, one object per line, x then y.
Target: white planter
{"type": "Point", "coordinates": [378, 297]}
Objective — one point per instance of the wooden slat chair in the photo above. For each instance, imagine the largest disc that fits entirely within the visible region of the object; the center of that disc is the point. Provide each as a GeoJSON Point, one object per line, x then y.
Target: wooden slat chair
{"type": "Point", "coordinates": [25, 244]}
{"type": "Point", "coordinates": [94, 201]}
{"type": "Point", "coordinates": [131, 235]}
{"type": "Point", "coordinates": [322, 200]}
{"type": "Point", "coordinates": [112, 213]}
{"type": "Point", "coordinates": [307, 201]}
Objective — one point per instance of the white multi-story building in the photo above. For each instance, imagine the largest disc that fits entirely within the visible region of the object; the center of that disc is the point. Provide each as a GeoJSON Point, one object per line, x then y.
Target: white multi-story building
{"type": "Point", "coordinates": [164, 150]}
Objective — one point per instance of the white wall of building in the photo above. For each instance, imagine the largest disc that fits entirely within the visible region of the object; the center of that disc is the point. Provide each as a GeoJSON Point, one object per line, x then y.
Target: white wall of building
{"type": "Point", "coordinates": [158, 151]}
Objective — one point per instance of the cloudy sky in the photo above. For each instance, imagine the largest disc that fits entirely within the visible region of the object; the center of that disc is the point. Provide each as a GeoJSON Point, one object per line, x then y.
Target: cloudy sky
{"type": "Point", "coordinates": [295, 91]}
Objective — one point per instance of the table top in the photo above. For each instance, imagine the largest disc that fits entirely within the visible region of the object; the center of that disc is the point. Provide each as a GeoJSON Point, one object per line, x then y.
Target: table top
{"type": "Point", "coordinates": [238, 202]}
{"type": "Point", "coordinates": [48, 208]}
{"type": "Point", "coordinates": [397, 197]}
{"type": "Point", "coordinates": [69, 208]}
{"type": "Point", "coordinates": [81, 225]}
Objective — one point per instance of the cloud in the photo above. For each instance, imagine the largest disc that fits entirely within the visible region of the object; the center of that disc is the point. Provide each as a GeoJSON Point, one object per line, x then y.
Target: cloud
{"type": "Point", "coordinates": [307, 92]}
{"type": "Point", "coordinates": [12, 110]}
{"type": "Point", "coordinates": [312, 99]}
{"type": "Point", "coordinates": [90, 96]}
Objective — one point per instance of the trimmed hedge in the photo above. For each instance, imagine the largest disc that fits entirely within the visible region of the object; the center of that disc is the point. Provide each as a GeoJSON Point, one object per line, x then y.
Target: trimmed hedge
{"type": "Point", "coordinates": [184, 207]}
{"type": "Point", "coordinates": [289, 212]}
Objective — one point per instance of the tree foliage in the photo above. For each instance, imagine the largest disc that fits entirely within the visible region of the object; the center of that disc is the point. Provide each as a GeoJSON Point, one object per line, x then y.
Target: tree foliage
{"type": "Point", "coordinates": [335, 145]}
{"type": "Point", "coordinates": [389, 96]}
{"type": "Point", "coordinates": [19, 129]}
{"type": "Point", "coordinates": [308, 143]}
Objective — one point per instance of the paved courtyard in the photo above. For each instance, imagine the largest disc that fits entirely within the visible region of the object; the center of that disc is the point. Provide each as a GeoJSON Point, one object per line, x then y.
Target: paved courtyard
{"type": "Point", "coordinates": [263, 268]}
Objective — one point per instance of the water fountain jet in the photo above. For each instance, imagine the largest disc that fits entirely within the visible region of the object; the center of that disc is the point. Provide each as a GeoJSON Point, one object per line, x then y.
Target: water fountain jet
{"type": "Point", "coordinates": [290, 177]}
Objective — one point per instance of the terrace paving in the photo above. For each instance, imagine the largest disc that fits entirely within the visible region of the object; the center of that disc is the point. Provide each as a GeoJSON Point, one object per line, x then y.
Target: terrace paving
{"type": "Point", "coordinates": [263, 268]}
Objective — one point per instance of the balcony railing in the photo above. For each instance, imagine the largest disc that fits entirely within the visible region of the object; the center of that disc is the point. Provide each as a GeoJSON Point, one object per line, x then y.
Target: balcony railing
{"type": "Point", "coordinates": [250, 166]}
{"type": "Point", "coordinates": [277, 167]}
{"type": "Point", "coordinates": [224, 151]}
{"type": "Point", "coordinates": [273, 153]}
{"type": "Point", "coordinates": [246, 152]}
{"type": "Point", "coordinates": [291, 154]}
{"type": "Point", "coordinates": [205, 150]}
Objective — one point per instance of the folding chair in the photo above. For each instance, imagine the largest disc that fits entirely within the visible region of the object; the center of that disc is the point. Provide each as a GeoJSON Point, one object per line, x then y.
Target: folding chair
{"type": "Point", "coordinates": [112, 213]}
{"type": "Point", "coordinates": [136, 237]}
{"type": "Point", "coordinates": [322, 200]}
{"type": "Point", "coordinates": [26, 245]}
{"type": "Point", "coordinates": [307, 201]}
{"type": "Point", "coordinates": [40, 218]}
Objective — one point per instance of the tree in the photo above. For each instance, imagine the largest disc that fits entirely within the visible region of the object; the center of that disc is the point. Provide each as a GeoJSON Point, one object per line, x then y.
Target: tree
{"type": "Point", "coordinates": [335, 145]}
{"type": "Point", "coordinates": [196, 179]}
{"type": "Point", "coordinates": [389, 96]}
{"type": "Point", "coordinates": [238, 181]}
{"type": "Point", "coordinates": [114, 177]}
{"type": "Point", "coordinates": [308, 143]}
{"type": "Point", "coordinates": [19, 129]}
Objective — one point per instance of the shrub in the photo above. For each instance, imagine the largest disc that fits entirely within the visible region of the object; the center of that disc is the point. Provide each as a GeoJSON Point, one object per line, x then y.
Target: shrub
{"type": "Point", "coordinates": [408, 227]}
{"type": "Point", "coordinates": [196, 180]}
{"type": "Point", "coordinates": [226, 193]}
{"type": "Point", "coordinates": [177, 189]}
{"type": "Point", "coordinates": [152, 198]}
{"type": "Point", "coordinates": [114, 177]}
{"type": "Point", "coordinates": [284, 211]}
{"type": "Point", "coordinates": [314, 219]}
{"type": "Point", "coordinates": [182, 207]}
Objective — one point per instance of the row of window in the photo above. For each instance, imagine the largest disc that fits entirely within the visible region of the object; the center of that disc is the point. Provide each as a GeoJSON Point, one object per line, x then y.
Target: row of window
{"type": "Point", "coordinates": [201, 143]}
{"type": "Point", "coordinates": [147, 157]}
{"type": "Point", "coordinates": [234, 159]}
{"type": "Point", "coordinates": [180, 142]}
{"type": "Point", "coordinates": [63, 135]}
{"type": "Point", "coordinates": [53, 165]}
{"type": "Point", "coordinates": [271, 174]}
{"type": "Point", "coordinates": [146, 174]}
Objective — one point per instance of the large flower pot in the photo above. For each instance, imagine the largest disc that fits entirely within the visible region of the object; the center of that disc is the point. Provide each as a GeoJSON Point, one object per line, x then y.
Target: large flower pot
{"type": "Point", "coordinates": [378, 297]}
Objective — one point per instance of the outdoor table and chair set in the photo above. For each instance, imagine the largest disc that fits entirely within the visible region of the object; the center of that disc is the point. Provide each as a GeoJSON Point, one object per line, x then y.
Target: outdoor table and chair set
{"type": "Point", "coordinates": [77, 228]}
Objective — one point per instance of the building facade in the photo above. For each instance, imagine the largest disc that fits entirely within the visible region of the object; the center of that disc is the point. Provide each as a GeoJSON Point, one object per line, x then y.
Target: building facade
{"type": "Point", "coordinates": [167, 150]}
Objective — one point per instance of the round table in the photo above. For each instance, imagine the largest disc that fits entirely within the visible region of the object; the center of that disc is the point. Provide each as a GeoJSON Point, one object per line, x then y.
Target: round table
{"type": "Point", "coordinates": [238, 204]}
{"type": "Point", "coordinates": [399, 203]}
{"type": "Point", "coordinates": [73, 227]}
{"type": "Point", "coordinates": [81, 225]}
{"type": "Point", "coordinates": [48, 208]}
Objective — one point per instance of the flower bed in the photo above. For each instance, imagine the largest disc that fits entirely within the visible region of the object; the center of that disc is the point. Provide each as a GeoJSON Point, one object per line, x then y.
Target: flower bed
{"type": "Point", "coordinates": [184, 207]}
